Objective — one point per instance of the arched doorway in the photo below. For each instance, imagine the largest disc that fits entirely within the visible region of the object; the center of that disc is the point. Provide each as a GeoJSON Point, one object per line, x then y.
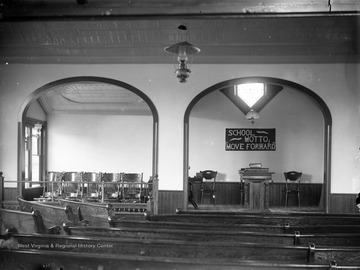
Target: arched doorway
{"type": "Point", "coordinates": [108, 97]}
{"type": "Point", "coordinates": [301, 92]}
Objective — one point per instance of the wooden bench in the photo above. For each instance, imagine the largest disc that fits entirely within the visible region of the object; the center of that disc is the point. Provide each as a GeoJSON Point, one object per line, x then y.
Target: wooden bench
{"type": "Point", "coordinates": [97, 214]}
{"type": "Point", "coordinates": [232, 251]}
{"type": "Point", "coordinates": [337, 239]}
{"type": "Point", "coordinates": [273, 219]}
{"type": "Point", "coordinates": [50, 259]}
{"type": "Point", "coordinates": [235, 227]}
{"type": "Point", "coordinates": [26, 206]}
{"type": "Point", "coordinates": [52, 214]}
{"type": "Point", "coordinates": [24, 222]}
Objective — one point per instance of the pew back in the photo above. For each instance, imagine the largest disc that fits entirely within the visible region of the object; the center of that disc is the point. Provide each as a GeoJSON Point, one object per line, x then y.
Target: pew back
{"type": "Point", "coordinates": [292, 220]}
{"type": "Point", "coordinates": [328, 239]}
{"type": "Point", "coordinates": [23, 222]}
{"type": "Point", "coordinates": [35, 259]}
{"type": "Point", "coordinates": [233, 252]}
{"type": "Point", "coordinates": [236, 227]}
{"type": "Point", "coordinates": [52, 214]}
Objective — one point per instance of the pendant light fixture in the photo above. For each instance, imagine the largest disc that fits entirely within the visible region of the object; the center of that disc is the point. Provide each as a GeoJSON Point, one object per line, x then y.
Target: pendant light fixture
{"type": "Point", "coordinates": [183, 51]}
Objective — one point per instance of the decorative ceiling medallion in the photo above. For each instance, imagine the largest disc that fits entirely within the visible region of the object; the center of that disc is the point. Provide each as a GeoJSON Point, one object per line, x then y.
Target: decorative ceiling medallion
{"type": "Point", "coordinates": [93, 98]}
{"type": "Point", "coordinates": [94, 93]}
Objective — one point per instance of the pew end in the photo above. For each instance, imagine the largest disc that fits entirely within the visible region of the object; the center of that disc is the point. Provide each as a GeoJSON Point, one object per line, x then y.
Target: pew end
{"type": "Point", "coordinates": [40, 225]}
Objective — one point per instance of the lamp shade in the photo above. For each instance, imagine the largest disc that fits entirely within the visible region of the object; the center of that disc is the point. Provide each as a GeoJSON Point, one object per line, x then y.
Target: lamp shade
{"type": "Point", "coordinates": [182, 46]}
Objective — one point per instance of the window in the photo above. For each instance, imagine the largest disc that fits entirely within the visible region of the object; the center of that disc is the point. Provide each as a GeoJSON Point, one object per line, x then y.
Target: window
{"type": "Point", "coordinates": [34, 143]}
{"type": "Point", "coordinates": [250, 93]}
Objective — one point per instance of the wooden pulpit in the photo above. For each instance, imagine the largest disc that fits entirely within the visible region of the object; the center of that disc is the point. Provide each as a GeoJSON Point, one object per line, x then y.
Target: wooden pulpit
{"type": "Point", "coordinates": [255, 182]}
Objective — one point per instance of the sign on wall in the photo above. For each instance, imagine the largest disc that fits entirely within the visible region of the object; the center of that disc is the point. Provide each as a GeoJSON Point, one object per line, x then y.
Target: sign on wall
{"type": "Point", "coordinates": [250, 139]}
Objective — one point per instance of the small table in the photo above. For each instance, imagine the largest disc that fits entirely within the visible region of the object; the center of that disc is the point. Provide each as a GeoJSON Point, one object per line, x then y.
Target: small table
{"type": "Point", "coordinates": [256, 188]}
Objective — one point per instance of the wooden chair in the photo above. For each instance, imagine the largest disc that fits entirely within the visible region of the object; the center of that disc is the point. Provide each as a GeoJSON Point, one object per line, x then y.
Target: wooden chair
{"type": "Point", "coordinates": [132, 186]}
{"type": "Point", "coordinates": [208, 185]}
{"type": "Point", "coordinates": [91, 184]}
{"type": "Point", "coordinates": [71, 184]}
{"type": "Point", "coordinates": [53, 184]}
{"type": "Point", "coordinates": [292, 185]}
{"type": "Point", "coordinates": [111, 185]}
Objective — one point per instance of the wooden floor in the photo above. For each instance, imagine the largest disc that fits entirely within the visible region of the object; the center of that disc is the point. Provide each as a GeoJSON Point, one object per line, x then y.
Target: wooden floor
{"type": "Point", "coordinates": [239, 208]}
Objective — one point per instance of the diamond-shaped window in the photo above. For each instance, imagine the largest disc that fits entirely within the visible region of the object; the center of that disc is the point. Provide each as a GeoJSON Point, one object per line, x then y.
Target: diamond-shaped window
{"type": "Point", "coordinates": [250, 93]}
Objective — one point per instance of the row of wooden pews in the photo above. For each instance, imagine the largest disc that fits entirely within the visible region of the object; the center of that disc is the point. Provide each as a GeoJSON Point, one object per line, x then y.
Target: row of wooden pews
{"type": "Point", "coordinates": [233, 252]}
{"type": "Point", "coordinates": [211, 235]}
{"type": "Point", "coordinates": [193, 240]}
{"type": "Point", "coordinates": [52, 217]}
{"type": "Point", "coordinates": [79, 261]}
{"type": "Point", "coordinates": [169, 254]}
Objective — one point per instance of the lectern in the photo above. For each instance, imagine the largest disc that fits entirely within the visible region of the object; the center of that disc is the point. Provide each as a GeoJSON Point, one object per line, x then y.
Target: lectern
{"type": "Point", "coordinates": [255, 182]}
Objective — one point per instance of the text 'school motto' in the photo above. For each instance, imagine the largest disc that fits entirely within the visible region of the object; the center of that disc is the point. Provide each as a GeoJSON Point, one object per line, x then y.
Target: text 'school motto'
{"type": "Point", "coordinates": [250, 139]}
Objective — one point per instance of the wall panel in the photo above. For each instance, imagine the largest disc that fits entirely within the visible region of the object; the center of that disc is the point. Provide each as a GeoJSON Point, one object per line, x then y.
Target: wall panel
{"type": "Point", "coordinates": [10, 194]}
{"type": "Point", "coordinates": [228, 193]}
{"type": "Point", "coordinates": [343, 203]}
{"type": "Point", "coordinates": [169, 201]}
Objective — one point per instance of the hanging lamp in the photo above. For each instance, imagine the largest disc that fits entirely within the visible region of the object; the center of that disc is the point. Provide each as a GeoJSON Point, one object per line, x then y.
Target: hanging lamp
{"type": "Point", "coordinates": [182, 50]}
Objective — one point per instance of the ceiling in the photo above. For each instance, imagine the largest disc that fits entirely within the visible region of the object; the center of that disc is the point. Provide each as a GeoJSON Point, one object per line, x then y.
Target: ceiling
{"type": "Point", "coordinates": [227, 32]}
{"type": "Point", "coordinates": [85, 97]}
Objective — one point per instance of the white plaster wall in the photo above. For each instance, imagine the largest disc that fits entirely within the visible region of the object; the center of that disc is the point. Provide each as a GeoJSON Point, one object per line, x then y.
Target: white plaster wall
{"type": "Point", "coordinates": [100, 143]}
{"type": "Point", "coordinates": [337, 84]}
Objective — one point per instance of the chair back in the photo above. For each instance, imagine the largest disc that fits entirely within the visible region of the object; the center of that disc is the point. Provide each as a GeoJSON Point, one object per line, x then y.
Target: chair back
{"type": "Point", "coordinates": [209, 176]}
{"type": "Point", "coordinates": [91, 181]}
{"type": "Point", "coordinates": [89, 177]}
{"type": "Point", "coordinates": [71, 183]}
{"type": "Point", "coordinates": [110, 177]}
{"type": "Point", "coordinates": [132, 186]}
{"type": "Point", "coordinates": [54, 176]}
{"type": "Point", "coordinates": [53, 184]}
{"type": "Point", "coordinates": [111, 181]}
{"type": "Point", "coordinates": [292, 180]}
{"type": "Point", "coordinates": [132, 177]}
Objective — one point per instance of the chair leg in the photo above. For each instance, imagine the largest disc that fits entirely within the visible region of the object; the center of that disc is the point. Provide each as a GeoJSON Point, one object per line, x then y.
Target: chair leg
{"type": "Point", "coordinates": [193, 203]}
{"type": "Point", "coordinates": [299, 198]}
{"type": "Point", "coordinates": [202, 197]}
{"type": "Point", "coordinates": [286, 199]}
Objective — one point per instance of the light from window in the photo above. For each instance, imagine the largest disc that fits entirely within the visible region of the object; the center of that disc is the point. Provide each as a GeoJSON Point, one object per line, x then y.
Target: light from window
{"type": "Point", "coordinates": [250, 93]}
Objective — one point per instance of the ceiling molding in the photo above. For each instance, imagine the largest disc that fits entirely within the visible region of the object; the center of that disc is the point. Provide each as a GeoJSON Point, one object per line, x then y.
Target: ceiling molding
{"type": "Point", "coordinates": [318, 39]}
